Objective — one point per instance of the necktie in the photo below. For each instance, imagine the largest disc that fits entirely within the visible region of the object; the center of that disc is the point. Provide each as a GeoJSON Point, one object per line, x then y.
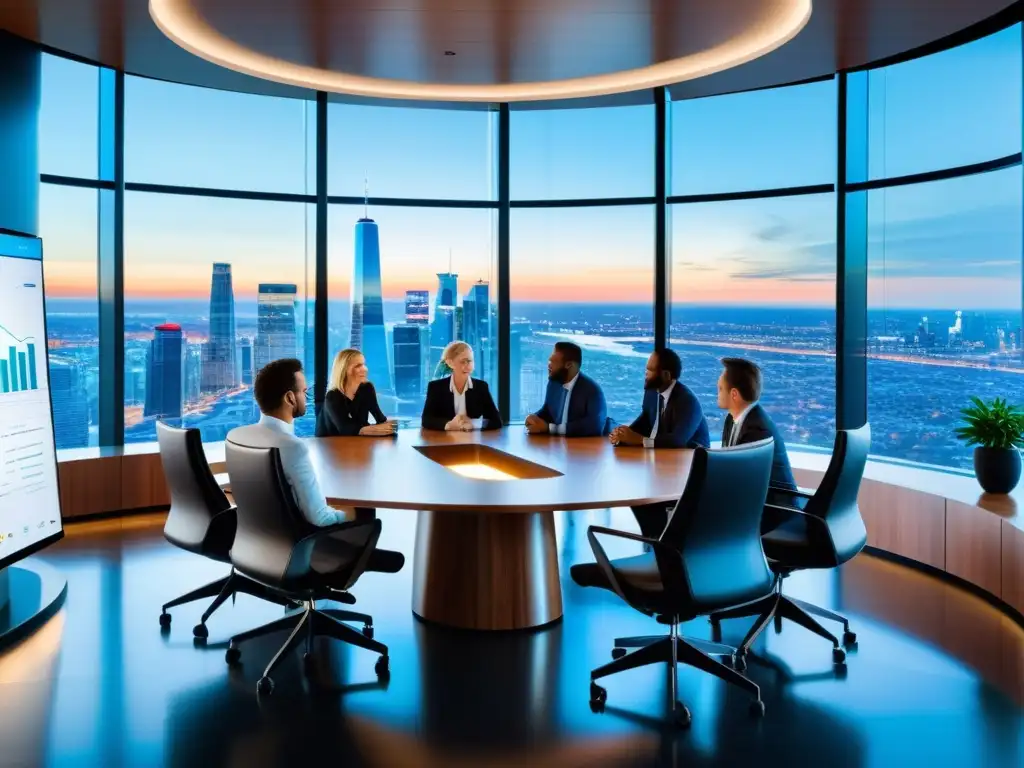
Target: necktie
{"type": "Point", "coordinates": [561, 405]}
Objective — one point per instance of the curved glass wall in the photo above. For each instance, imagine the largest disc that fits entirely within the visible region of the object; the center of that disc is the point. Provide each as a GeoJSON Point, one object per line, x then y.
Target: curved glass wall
{"type": "Point", "coordinates": [747, 257]}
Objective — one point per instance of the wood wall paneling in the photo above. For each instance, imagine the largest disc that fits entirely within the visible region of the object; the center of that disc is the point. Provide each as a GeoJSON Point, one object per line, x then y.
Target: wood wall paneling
{"type": "Point", "coordinates": [905, 522]}
{"type": "Point", "coordinates": [973, 546]}
{"type": "Point", "coordinates": [142, 482]}
{"type": "Point", "coordinates": [90, 487]}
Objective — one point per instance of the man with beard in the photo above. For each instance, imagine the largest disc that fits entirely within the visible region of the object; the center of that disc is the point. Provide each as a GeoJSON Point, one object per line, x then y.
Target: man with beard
{"type": "Point", "coordinates": [671, 418]}
{"type": "Point", "coordinates": [574, 404]}
{"type": "Point", "coordinates": [281, 392]}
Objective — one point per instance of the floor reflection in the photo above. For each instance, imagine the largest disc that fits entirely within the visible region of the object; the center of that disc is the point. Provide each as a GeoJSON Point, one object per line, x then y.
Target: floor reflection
{"type": "Point", "coordinates": [936, 678]}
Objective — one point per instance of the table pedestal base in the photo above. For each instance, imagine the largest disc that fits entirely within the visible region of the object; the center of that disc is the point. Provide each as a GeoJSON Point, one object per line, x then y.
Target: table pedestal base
{"type": "Point", "coordinates": [486, 570]}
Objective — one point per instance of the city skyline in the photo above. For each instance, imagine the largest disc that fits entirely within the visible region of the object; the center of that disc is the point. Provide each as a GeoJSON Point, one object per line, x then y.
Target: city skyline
{"type": "Point", "coordinates": [971, 93]}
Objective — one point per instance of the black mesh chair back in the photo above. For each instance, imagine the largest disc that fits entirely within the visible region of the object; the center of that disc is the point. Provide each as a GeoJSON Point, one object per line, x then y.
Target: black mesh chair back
{"type": "Point", "coordinates": [835, 501]}
{"type": "Point", "coordinates": [716, 526]}
{"type": "Point", "coordinates": [201, 518]}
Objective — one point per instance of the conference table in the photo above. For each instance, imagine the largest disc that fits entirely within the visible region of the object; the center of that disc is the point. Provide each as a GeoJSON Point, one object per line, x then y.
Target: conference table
{"type": "Point", "coordinates": [485, 555]}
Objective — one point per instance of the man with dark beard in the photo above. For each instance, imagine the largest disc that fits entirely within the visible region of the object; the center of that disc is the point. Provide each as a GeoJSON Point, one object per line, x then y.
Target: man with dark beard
{"type": "Point", "coordinates": [671, 417]}
{"type": "Point", "coordinates": [574, 404]}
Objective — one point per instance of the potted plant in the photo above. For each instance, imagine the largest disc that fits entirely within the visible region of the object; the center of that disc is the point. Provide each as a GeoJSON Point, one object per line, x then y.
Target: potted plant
{"type": "Point", "coordinates": [997, 431]}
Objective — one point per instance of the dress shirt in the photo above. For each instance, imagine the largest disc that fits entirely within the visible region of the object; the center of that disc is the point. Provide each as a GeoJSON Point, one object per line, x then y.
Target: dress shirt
{"type": "Point", "coordinates": [649, 441]}
{"type": "Point", "coordinates": [460, 401]}
{"type": "Point", "coordinates": [559, 428]}
{"type": "Point", "coordinates": [301, 476]}
{"type": "Point", "coordinates": [737, 424]}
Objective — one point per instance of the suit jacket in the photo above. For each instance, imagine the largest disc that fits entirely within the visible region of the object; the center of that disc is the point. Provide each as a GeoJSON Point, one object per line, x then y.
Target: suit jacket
{"type": "Point", "coordinates": [682, 424]}
{"type": "Point", "coordinates": [588, 412]}
{"type": "Point", "coordinates": [758, 425]}
{"type": "Point", "coordinates": [340, 416]}
{"type": "Point", "coordinates": [439, 408]}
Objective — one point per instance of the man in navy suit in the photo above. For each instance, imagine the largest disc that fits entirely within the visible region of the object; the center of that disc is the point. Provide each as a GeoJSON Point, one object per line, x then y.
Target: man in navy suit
{"type": "Point", "coordinates": [574, 405]}
{"type": "Point", "coordinates": [739, 389]}
{"type": "Point", "coordinates": [671, 418]}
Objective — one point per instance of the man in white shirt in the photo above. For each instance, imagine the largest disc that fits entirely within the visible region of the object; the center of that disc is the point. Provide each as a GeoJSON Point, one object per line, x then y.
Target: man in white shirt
{"type": "Point", "coordinates": [281, 393]}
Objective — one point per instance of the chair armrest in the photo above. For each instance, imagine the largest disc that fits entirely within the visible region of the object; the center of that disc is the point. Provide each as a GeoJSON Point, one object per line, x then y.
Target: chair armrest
{"type": "Point", "coordinates": [328, 530]}
{"type": "Point", "coordinates": [307, 543]}
{"type": "Point", "coordinates": [813, 520]}
{"type": "Point", "coordinates": [605, 564]}
{"type": "Point", "coordinates": [806, 493]}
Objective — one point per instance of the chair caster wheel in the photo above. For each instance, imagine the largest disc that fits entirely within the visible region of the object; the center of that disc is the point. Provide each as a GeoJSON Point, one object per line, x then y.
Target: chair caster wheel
{"type": "Point", "coordinates": [838, 656]}
{"type": "Point", "coordinates": [200, 631]}
{"type": "Point", "coordinates": [265, 686]}
{"type": "Point", "coordinates": [849, 638]}
{"type": "Point", "coordinates": [232, 655]}
{"type": "Point", "coordinates": [778, 624]}
{"type": "Point", "coordinates": [681, 717]}
{"type": "Point", "coordinates": [739, 663]}
{"type": "Point", "coordinates": [597, 706]}
{"type": "Point", "coordinates": [165, 620]}
{"type": "Point", "coordinates": [597, 693]}
{"type": "Point", "coordinates": [757, 708]}
{"type": "Point", "coordinates": [368, 631]}
{"type": "Point", "coordinates": [618, 653]}
{"type": "Point", "coordinates": [381, 668]}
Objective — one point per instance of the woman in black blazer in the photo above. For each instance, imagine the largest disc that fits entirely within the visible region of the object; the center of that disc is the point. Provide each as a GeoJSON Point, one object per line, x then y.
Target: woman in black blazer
{"type": "Point", "coordinates": [459, 402]}
{"type": "Point", "coordinates": [351, 400]}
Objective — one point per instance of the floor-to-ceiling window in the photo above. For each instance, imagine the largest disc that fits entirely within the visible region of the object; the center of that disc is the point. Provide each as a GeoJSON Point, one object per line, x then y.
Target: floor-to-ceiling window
{"type": "Point", "coordinates": [753, 275]}
{"type": "Point", "coordinates": [582, 235]}
{"type": "Point", "coordinates": [412, 244]}
{"type": "Point", "coordinates": [944, 255]}
{"type": "Point", "coordinates": [69, 227]}
{"type": "Point", "coordinates": [215, 285]}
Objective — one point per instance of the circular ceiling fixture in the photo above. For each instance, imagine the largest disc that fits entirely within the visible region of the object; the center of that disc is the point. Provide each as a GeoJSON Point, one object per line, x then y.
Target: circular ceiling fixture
{"type": "Point", "coordinates": [534, 53]}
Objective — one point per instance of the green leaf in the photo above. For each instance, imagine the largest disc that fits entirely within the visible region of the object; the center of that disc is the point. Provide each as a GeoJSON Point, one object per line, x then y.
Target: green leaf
{"type": "Point", "coordinates": [996, 424]}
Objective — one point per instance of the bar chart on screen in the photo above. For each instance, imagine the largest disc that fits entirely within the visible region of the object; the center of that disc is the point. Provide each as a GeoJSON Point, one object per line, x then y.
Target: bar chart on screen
{"type": "Point", "coordinates": [19, 365]}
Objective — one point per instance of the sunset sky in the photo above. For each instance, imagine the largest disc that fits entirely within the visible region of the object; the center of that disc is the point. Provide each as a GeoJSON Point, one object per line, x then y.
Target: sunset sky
{"type": "Point", "coordinates": [942, 244]}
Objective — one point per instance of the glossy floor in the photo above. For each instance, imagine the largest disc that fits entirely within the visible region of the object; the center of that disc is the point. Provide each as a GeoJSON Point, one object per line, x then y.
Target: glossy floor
{"type": "Point", "coordinates": [937, 679]}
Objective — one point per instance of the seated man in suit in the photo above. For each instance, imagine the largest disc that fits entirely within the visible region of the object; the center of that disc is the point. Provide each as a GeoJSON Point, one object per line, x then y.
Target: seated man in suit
{"type": "Point", "coordinates": [574, 405]}
{"type": "Point", "coordinates": [671, 418]}
{"type": "Point", "coordinates": [281, 393]}
{"type": "Point", "coordinates": [739, 389]}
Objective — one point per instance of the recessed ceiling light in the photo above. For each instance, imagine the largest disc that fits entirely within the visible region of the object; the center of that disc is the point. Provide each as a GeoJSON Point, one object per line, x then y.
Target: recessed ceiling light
{"type": "Point", "coordinates": [782, 20]}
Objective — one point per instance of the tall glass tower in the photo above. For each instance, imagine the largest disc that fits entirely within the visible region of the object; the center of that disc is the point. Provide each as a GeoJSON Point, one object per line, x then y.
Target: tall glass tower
{"type": "Point", "coordinates": [165, 376]}
{"type": "Point", "coordinates": [275, 323]}
{"type": "Point", "coordinates": [367, 334]}
{"type": "Point", "coordinates": [476, 324]}
{"type": "Point", "coordinates": [218, 369]}
{"type": "Point", "coordinates": [70, 402]}
{"type": "Point", "coordinates": [443, 329]}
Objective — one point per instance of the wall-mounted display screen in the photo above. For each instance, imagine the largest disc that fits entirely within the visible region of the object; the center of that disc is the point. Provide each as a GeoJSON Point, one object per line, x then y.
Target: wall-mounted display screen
{"type": "Point", "coordinates": [29, 496]}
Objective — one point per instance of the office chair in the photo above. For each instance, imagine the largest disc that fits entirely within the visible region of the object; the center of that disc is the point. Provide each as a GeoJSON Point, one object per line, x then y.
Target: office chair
{"type": "Point", "coordinates": [708, 557]}
{"type": "Point", "coordinates": [201, 520]}
{"type": "Point", "coordinates": [277, 547]}
{"type": "Point", "coordinates": [823, 529]}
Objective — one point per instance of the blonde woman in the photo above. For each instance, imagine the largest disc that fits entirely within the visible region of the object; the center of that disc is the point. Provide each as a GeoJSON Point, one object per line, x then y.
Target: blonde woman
{"type": "Point", "coordinates": [351, 400]}
{"type": "Point", "coordinates": [459, 402]}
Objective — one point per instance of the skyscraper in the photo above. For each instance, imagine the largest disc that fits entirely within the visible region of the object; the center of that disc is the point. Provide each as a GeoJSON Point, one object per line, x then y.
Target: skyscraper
{"type": "Point", "coordinates": [476, 326]}
{"type": "Point", "coordinates": [412, 350]}
{"type": "Point", "coordinates": [275, 323]}
{"type": "Point", "coordinates": [417, 307]}
{"type": "Point", "coordinates": [70, 403]}
{"type": "Point", "coordinates": [367, 334]}
{"type": "Point", "coordinates": [443, 330]}
{"type": "Point", "coordinates": [218, 363]}
{"type": "Point", "coordinates": [165, 375]}
{"type": "Point", "coordinates": [245, 356]}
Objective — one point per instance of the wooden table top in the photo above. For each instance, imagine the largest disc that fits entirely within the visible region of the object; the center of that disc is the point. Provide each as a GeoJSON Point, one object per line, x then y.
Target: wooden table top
{"type": "Point", "coordinates": [390, 472]}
